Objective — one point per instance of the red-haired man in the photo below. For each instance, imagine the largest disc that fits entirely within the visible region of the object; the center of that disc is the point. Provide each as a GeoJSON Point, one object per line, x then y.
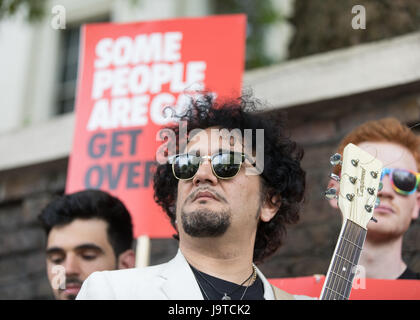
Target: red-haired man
{"type": "Point", "coordinates": [399, 150]}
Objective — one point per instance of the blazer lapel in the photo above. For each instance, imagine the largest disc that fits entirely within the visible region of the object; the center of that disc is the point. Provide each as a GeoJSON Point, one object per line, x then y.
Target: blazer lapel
{"type": "Point", "coordinates": [268, 290]}
{"type": "Point", "coordinates": [179, 281]}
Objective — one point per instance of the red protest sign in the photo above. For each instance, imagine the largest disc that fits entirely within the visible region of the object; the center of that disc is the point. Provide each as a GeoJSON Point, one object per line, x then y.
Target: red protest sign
{"type": "Point", "coordinates": [128, 73]}
{"type": "Point", "coordinates": [363, 288]}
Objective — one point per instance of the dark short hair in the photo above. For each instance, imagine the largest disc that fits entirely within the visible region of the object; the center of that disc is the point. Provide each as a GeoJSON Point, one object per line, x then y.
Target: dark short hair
{"type": "Point", "coordinates": [90, 204]}
{"type": "Point", "coordinates": [282, 175]}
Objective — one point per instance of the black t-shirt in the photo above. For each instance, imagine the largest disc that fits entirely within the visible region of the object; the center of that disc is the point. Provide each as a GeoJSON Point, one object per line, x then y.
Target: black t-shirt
{"type": "Point", "coordinates": [409, 274]}
{"type": "Point", "coordinates": [233, 290]}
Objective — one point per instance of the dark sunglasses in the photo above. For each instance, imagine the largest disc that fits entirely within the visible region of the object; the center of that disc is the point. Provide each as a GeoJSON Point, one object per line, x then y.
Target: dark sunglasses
{"type": "Point", "coordinates": [224, 164]}
{"type": "Point", "coordinates": [404, 182]}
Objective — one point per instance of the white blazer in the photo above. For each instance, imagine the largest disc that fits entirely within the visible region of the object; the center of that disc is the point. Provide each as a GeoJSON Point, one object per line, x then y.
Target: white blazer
{"type": "Point", "coordinates": [173, 280]}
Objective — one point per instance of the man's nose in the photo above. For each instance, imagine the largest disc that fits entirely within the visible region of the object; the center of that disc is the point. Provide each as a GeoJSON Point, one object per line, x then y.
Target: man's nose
{"type": "Point", "coordinates": [205, 174]}
{"type": "Point", "coordinates": [387, 191]}
{"type": "Point", "coordinates": [71, 265]}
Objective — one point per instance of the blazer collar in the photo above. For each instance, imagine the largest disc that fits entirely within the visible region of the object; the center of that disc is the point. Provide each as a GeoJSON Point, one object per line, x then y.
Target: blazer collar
{"type": "Point", "coordinates": [181, 284]}
{"type": "Point", "coordinates": [180, 281]}
{"type": "Point", "coordinates": [268, 290]}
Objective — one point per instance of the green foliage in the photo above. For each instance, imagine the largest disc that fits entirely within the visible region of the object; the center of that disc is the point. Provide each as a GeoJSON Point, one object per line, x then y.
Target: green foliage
{"type": "Point", "coordinates": [324, 25]}
{"type": "Point", "coordinates": [32, 10]}
{"type": "Point", "coordinates": [260, 14]}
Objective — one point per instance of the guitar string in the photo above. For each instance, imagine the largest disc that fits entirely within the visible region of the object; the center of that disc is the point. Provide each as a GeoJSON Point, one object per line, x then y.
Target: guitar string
{"type": "Point", "coordinates": [345, 252]}
{"type": "Point", "coordinates": [341, 261]}
{"type": "Point", "coordinates": [356, 253]}
{"type": "Point", "coordinates": [330, 279]}
{"type": "Point", "coordinates": [331, 282]}
{"type": "Point", "coordinates": [351, 254]}
{"type": "Point", "coordinates": [351, 257]}
{"type": "Point", "coordinates": [348, 253]}
{"type": "Point", "coordinates": [357, 238]}
{"type": "Point", "coordinates": [342, 252]}
{"type": "Point", "coordinates": [342, 284]}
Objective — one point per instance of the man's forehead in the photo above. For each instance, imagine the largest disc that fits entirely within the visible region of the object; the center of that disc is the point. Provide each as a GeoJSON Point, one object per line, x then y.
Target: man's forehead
{"type": "Point", "coordinates": [391, 154]}
{"type": "Point", "coordinates": [77, 232]}
{"type": "Point", "coordinates": [214, 138]}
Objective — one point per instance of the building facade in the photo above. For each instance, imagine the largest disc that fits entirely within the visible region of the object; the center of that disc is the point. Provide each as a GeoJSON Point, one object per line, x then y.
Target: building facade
{"type": "Point", "coordinates": [324, 95]}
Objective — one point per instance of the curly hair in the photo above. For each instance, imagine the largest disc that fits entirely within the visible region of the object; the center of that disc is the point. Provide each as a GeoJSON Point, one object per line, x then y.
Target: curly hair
{"type": "Point", "coordinates": [282, 174]}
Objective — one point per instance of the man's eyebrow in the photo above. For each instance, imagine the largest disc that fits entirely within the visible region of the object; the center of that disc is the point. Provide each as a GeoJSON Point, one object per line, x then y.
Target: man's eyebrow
{"type": "Point", "coordinates": [85, 246]}
{"type": "Point", "coordinates": [89, 246]}
{"type": "Point", "coordinates": [53, 250]}
{"type": "Point", "coordinates": [219, 150]}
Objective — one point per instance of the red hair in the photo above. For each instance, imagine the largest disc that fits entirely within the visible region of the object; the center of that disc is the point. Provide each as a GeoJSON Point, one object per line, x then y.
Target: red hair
{"type": "Point", "coordinates": [383, 130]}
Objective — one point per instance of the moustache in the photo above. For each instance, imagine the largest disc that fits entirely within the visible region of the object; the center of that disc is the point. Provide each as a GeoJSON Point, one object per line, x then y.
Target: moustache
{"type": "Point", "coordinates": [72, 281]}
{"type": "Point", "coordinates": [206, 189]}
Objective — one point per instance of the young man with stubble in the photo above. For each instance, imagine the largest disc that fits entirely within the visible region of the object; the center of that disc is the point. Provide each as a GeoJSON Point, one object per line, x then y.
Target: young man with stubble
{"type": "Point", "coordinates": [399, 150]}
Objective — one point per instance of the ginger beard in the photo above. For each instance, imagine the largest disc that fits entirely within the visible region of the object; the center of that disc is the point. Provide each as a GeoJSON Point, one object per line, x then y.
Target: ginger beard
{"type": "Point", "coordinates": [395, 212]}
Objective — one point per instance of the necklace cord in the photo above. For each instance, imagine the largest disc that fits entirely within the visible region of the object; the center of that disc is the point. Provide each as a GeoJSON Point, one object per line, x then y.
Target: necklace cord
{"type": "Point", "coordinates": [251, 279]}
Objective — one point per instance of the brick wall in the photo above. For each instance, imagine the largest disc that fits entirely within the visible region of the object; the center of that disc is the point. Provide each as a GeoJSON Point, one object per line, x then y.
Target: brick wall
{"type": "Point", "coordinates": [309, 245]}
{"type": "Point", "coordinates": [319, 127]}
{"type": "Point", "coordinates": [23, 193]}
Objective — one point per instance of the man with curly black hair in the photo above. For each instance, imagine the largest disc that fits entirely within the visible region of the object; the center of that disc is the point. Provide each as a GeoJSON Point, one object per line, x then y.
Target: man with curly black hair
{"type": "Point", "coordinates": [232, 182]}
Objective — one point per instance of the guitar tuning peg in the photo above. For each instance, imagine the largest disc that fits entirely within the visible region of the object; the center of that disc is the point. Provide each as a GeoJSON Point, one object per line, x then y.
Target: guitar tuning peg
{"type": "Point", "coordinates": [353, 180]}
{"type": "Point", "coordinates": [331, 194]}
{"type": "Point", "coordinates": [374, 220]}
{"type": "Point", "coordinates": [354, 162]}
{"type": "Point", "coordinates": [350, 196]}
{"type": "Point", "coordinates": [335, 177]}
{"type": "Point", "coordinates": [335, 159]}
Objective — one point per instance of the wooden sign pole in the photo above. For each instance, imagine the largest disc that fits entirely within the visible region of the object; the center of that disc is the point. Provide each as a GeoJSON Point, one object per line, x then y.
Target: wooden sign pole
{"type": "Point", "coordinates": [143, 251]}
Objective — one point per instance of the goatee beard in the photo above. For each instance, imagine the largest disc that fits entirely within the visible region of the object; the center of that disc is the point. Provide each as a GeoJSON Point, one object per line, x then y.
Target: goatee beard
{"type": "Point", "coordinates": [205, 223]}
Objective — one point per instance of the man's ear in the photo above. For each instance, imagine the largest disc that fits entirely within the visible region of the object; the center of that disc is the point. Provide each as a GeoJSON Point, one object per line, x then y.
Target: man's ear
{"type": "Point", "coordinates": [270, 208]}
{"type": "Point", "coordinates": [127, 259]}
{"type": "Point", "coordinates": [334, 184]}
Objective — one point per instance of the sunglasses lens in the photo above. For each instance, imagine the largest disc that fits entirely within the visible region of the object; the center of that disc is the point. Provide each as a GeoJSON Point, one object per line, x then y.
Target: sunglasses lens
{"type": "Point", "coordinates": [227, 165]}
{"type": "Point", "coordinates": [404, 180]}
{"type": "Point", "coordinates": [185, 166]}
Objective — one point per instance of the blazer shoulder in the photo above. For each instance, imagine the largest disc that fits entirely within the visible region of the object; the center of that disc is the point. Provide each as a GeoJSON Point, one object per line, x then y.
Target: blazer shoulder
{"type": "Point", "coordinates": [95, 287]}
{"type": "Point", "coordinates": [283, 295]}
{"type": "Point", "coordinates": [133, 276]}
{"type": "Point", "coordinates": [120, 284]}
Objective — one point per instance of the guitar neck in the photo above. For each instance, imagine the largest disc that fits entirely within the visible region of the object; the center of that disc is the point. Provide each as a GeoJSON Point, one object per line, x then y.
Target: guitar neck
{"type": "Point", "coordinates": [339, 280]}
